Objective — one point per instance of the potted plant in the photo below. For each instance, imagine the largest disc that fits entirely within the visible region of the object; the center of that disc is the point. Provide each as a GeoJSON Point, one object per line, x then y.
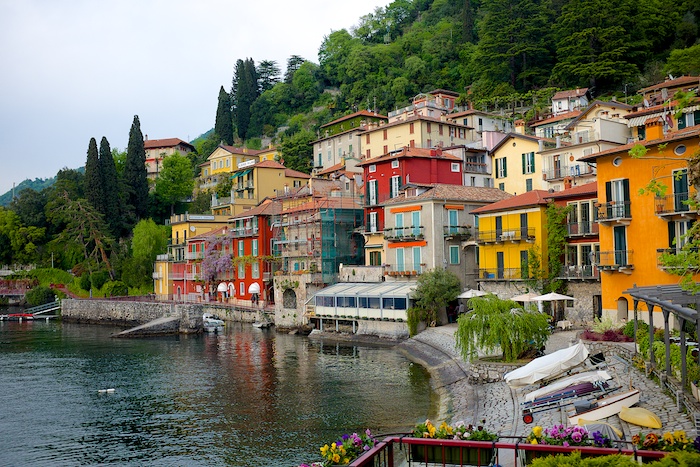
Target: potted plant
{"type": "Point", "coordinates": [345, 449]}
{"type": "Point", "coordinates": [452, 454]}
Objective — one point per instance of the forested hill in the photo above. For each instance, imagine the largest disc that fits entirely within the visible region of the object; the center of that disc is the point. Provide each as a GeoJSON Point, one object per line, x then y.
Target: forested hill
{"type": "Point", "coordinates": [492, 52]}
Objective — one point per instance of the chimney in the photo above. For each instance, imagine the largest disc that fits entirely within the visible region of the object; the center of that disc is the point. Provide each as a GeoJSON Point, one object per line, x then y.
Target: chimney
{"type": "Point", "coordinates": [145, 137]}
{"type": "Point", "coordinates": [558, 140]}
{"type": "Point", "coordinates": [520, 127]}
{"type": "Point", "coordinates": [540, 145]}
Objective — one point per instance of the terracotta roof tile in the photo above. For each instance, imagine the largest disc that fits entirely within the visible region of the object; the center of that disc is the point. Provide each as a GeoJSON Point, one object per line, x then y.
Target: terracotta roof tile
{"type": "Point", "coordinates": [556, 118]}
{"type": "Point", "coordinates": [295, 174]}
{"type": "Point", "coordinates": [689, 132]}
{"type": "Point", "coordinates": [530, 198]}
{"type": "Point", "coordinates": [454, 193]}
{"type": "Point", "coordinates": [580, 190]}
{"type": "Point", "coordinates": [165, 143]}
{"type": "Point", "coordinates": [570, 93]}
{"type": "Point", "coordinates": [680, 81]}
{"type": "Point", "coordinates": [410, 151]}
{"type": "Point", "coordinates": [268, 207]}
{"type": "Point", "coordinates": [364, 113]}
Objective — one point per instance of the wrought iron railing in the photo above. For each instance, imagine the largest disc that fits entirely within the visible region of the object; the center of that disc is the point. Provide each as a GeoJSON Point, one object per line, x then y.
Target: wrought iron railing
{"type": "Point", "coordinates": [503, 273]}
{"type": "Point", "coordinates": [677, 202]}
{"type": "Point", "coordinates": [495, 236]}
{"type": "Point", "coordinates": [582, 228]}
{"type": "Point", "coordinates": [456, 230]}
{"type": "Point", "coordinates": [614, 259]}
{"type": "Point", "coordinates": [404, 234]}
{"type": "Point", "coordinates": [586, 271]}
{"type": "Point", "coordinates": [614, 210]}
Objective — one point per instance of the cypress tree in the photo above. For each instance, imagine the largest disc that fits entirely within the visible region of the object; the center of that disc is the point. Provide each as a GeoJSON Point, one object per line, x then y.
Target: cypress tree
{"type": "Point", "coordinates": [224, 122]}
{"type": "Point", "coordinates": [246, 93]}
{"type": "Point", "coordinates": [110, 188]}
{"type": "Point", "coordinates": [93, 177]}
{"type": "Point", "coordinates": [135, 174]}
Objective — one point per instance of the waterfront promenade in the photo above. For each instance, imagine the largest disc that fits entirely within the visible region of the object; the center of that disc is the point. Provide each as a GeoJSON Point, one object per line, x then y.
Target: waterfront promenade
{"type": "Point", "coordinates": [498, 404]}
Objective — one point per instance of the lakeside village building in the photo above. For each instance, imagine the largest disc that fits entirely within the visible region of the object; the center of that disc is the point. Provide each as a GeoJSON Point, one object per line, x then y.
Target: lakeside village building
{"type": "Point", "coordinates": [433, 186]}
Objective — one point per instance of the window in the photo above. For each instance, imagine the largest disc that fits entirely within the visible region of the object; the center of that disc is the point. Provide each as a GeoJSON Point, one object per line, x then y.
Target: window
{"type": "Point", "coordinates": [369, 152]}
{"type": "Point", "coordinates": [454, 167]}
{"type": "Point", "coordinates": [618, 197]}
{"type": "Point", "coordinates": [394, 186]}
{"type": "Point", "coordinates": [398, 224]}
{"type": "Point", "coordinates": [384, 133]}
{"type": "Point", "coordinates": [641, 132]}
{"type": "Point", "coordinates": [481, 124]}
{"type": "Point", "coordinates": [255, 271]}
{"type": "Point", "coordinates": [329, 155]}
{"type": "Point", "coordinates": [501, 168]}
{"type": "Point", "coordinates": [528, 184]}
{"type": "Point", "coordinates": [372, 193]}
{"type": "Point", "coordinates": [255, 248]}
{"type": "Point", "coordinates": [429, 127]}
{"type": "Point", "coordinates": [228, 162]}
{"type": "Point", "coordinates": [386, 149]}
{"type": "Point", "coordinates": [528, 163]}
{"type": "Point", "coordinates": [375, 258]}
{"type": "Point", "coordinates": [241, 272]}
{"type": "Point", "coordinates": [372, 168]}
{"type": "Point", "coordinates": [502, 186]}
{"type": "Point", "coordinates": [454, 254]}
{"type": "Point", "coordinates": [440, 129]}
{"type": "Point", "coordinates": [320, 160]}
{"type": "Point", "coordinates": [410, 128]}
{"type": "Point", "coordinates": [416, 259]}
{"type": "Point", "coordinates": [241, 289]}
{"type": "Point", "coordinates": [240, 248]}
{"type": "Point", "coordinates": [415, 223]}
{"type": "Point", "coordinates": [372, 222]}
{"type": "Point", "coordinates": [350, 150]}
{"type": "Point", "coordinates": [452, 221]}
{"type": "Point", "coordinates": [395, 164]}
{"type": "Point", "coordinates": [367, 138]}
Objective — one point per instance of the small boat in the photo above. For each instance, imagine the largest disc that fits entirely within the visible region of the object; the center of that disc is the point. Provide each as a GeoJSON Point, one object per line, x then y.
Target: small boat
{"type": "Point", "coordinates": [603, 408]}
{"type": "Point", "coordinates": [262, 324]}
{"type": "Point", "coordinates": [558, 385]}
{"type": "Point", "coordinates": [640, 416]}
{"type": "Point", "coordinates": [212, 323]}
{"type": "Point", "coordinates": [548, 367]}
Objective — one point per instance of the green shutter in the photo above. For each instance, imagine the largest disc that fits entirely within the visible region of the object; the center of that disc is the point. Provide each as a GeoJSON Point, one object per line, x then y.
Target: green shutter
{"type": "Point", "coordinates": [505, 167]}
{"type": "Point", "coordinates": [524, 163]}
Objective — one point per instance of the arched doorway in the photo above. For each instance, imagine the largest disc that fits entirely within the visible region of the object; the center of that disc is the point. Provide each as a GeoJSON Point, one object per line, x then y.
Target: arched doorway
{"type": "Point", "coordinates": [622, 309]}
{"type": "Point", "coordinates": [289, 299]}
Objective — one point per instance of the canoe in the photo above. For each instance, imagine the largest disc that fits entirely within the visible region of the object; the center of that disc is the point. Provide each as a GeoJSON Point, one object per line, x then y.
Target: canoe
{"type": "Point", "coordinates": [640, 416]}
{"type": "Point", "coordinates": [605, 407]}
{"type": "Point", "coordinates": [555, 386]}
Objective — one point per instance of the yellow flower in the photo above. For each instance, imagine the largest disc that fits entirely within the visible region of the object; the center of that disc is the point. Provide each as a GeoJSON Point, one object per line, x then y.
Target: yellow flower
{"type": "Point", "coordinates": [336, 458]}
{"type": "Point", "coordinates": [324, 450]}
{"type": "Point", "coordinates": [537, 431]}
{"type": "Point", "coordinates": [534, 441]}
{"type": "Point", "coordinates": [668, 438]}
{"type": "Point", "coordinates": [680, 436]}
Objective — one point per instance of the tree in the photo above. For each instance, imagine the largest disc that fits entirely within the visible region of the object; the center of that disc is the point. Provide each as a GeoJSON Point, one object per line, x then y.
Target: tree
{"type": "Point", "coordinates": [175, 182]}
{"type": "Point", "coordinates": [435, 288]}
{"type": "Point", "coordinates": [149, 240]}
{"type": "Point", "coordinates": [135, 175]}
{"type": "Point", "coordinates": [268, 75]}
{"type": "Point", "coordinates": [224, 121]}
{"type": "Point", "coordinates": [216, 261]}
{"type": "Point", "coordinates": [293, 64]}
{"type": "Point", "coordinates": [684, 61]}
{"type": "Point", "coordinates": [30, 205]}
{"type": "Point", "coordinates": [557, 233]}
{"type": "Point", "coordinates": [500, 324]}
{"type": "Point", "coordinates": [93, 178]}
{"type": "Point", "coordinates": [296, 151]}
{"type": "Point", "coordinates": [110, 188]}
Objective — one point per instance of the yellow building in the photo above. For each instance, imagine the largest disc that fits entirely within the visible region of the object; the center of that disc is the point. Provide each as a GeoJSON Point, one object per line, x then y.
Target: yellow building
{"type": "Point", "coordinates": [517, 166]}
{"type": "Point", "coordinates": [506, 231]}
{"type": "Point", "coordinates": [635, 229]}
{"type": "Point", "coordinates": [223, 162]}
{"type": "Point", "coordinates": [184, 226]}
{"type": "Point", "coordinates": [254, 181]}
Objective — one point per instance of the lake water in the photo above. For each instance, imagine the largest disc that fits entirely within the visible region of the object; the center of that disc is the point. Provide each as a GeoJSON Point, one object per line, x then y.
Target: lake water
{"type": "Point", "coordinates": [248, 397]}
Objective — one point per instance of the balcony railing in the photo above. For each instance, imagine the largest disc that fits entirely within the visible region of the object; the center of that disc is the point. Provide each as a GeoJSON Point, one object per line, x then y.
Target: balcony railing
{"type": "Point", "coordinates": [463, 231]}
{"type": "Point", "coordinates": [476, 167]}
{"type": "Point", "coordinates": [576, 229]}
{"type": "Point", "coordinates": [616, 259]}
{"type": "Point", "coordinates": [672, 204]}
{"type": "Point", "coordinates": [194, 255]}
{"type": "Point", "coordinates": [499, 236]}
{"type": "Point", "coordinates": [575, 170]}
{"type": "Point", "coordinates": [244, 232]}
{"type": "Point", "coordinates": [164, 257]}
{"type": "Point", "coordinates": [615, 211]}
{"type": "Point", "coordinates": [157, 275]}
{"type": "Point", "coordinates": [586, 271]}
{"type": "Point", "coordinates": [407, 268]}
{"type": "Point", "coordinates": [503, 273]}
{"type": "Point", "coordinates": [404, 234]}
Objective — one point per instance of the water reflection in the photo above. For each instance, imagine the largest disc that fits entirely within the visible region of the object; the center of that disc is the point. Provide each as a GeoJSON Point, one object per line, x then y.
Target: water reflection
{"type": "Point", "coordinates": [247, 397]}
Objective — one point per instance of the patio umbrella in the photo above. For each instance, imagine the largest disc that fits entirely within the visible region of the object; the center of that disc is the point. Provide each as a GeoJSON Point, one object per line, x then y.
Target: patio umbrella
{"type": "Point", "coordinates": [471, 293]}
{"type": "Point", "coordinates": [525, 297]}
{"type": "Point", "coordinates": [554, 298]}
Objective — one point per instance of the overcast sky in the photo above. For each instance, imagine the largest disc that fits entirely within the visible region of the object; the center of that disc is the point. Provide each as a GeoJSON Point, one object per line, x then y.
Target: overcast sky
{"type": "Point", "coordinates": [75, 69]}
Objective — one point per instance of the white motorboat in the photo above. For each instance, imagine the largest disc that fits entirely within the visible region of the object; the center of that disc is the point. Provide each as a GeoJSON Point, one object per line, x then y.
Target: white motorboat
{"type": "Point", "coordinates": [212, 323]}
{"type": "Point", "coordinates": [547, 367]}
{"type": "Point", "coordinates": [605, 407]}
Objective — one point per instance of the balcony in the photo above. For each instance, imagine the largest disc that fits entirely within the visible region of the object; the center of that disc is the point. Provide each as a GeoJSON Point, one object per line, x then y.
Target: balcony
{"type": "Point", "coordinates": [194, 255]}
{"type": "Point", "coordinates": [616, 260]}
{"type": "Point", "coordinates": [618, 212]}
{"type": "Point", "coordinates": [582, 229]}
{"type": "Point", "coordinates": [404, 234]}
{"type": "Point", "coordinates": [502, 273]}
{"type": "Point", "coordinates": [476, 168]}
{"type": "Point", "coordinates": [675, 205]}
{"type": "Point", "coordinates": [575, 170]}
{"type": "Point", "coordinates": [244, 232]}
{"type": "Point", "coordinates": [526, 234]}
{"type": "Point", "coordinates": [405, 269]}
{"type": "Point", "coordinates": [157, 275]}
{"type": "Point", "coordinates": [164, 257]}
{"type": "Point", "coordinates": [456, 231]}
{"type": "Point", "coordinates": [583, 272]}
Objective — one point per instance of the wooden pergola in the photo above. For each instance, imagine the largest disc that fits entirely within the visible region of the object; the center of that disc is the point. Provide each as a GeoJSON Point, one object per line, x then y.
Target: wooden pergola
{"type": "Point", "coordinates": [671, 299]}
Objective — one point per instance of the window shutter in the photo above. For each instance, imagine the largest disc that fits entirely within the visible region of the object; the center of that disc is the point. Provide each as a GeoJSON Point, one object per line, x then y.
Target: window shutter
{"type": "Point", "coordinates": [626, 192]}
{"type": "Point", "coordinates": [505, 167]}
{"type": "Point", "coordinates": [524, 163]}
{"type": "Point", "coordinates": [608, 192]}
{"type": "Point", "coordinates": [671, 233]}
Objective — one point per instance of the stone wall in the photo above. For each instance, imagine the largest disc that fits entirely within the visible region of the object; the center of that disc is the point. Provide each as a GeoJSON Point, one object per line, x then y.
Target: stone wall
{"type": "Point", "coordinates": [583, 291]}
{"type": "Point", "coordinates": [504, 289]}
{"type": "Point", "coordinates": [360, 274]}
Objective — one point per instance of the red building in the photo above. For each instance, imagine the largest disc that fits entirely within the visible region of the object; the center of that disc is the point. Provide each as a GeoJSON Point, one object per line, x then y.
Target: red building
{"type": "Point", "coordinates": [385, 175]}
{"type": "Point", "coordinates": [252, 251]}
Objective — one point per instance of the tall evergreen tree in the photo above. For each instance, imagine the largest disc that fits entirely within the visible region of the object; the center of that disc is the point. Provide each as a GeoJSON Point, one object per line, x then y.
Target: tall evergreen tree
{"type": "Point", "coordinates": [224, 123]}
{"type": "Point", "coordinates": [135, 175]}
{"type": "Point", "coordinates": [246, 93]}
{"type": "Point", "coordinates": [110, 188]}
{"type": "Point", "coordinates": [268, 75]}
{"type": "Point", "coordinates": [93, 177]}
{"type": "Point", "coordinates": [293, 64]}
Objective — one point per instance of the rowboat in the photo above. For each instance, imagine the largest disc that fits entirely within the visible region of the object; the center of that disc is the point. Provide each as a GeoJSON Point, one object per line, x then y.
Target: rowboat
{"type": "Point", "coordinates": [558, 385]}
{"type": "Point", "coordinates": [548, 367]}
{"type": "Point", "coordinates": [604, 407]}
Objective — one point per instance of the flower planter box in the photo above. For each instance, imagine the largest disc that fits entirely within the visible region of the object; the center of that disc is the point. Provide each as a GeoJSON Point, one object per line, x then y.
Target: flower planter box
{"type": "Point", "coordinates": [434, 454]}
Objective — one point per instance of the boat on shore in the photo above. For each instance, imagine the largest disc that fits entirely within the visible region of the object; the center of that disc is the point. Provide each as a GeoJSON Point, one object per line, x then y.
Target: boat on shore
{"type": "Point", "coordinates": [604, 407]}
{"type": "Point", "coordinates": [212, 323]}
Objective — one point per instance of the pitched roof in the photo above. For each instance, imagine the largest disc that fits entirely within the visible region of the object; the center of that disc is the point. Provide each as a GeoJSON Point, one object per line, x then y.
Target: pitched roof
{"type": "Point", "coordinates": [576, 191]}
{"type": "Point", "coordinates": [685, 133]}
{"type": "Point", "coordinates": [295, 174]}
{"type": "Point", "coordinates": [557, 118]}
{"type": "Point", "coordinates": [363, 113]}
{"type": "Point", "coordinates": [510, 136]}
{"type": "Point", "coordinates": [415, 118]}
{"type": "Point", "coordinates": [165, 143]}
{"type": "Point", "coordinates": [570, 93]}
{"type": "Point", "coordinates": [242, 151]}
{"type": "Point", "coordinates": [326, 203]}
{"type": "Point", "coordinates": [268, 164]}
{"type": "Point", "coordinates": [527, 199]}
{"type": "Point", "coordinates": [411, 151]}
{"type": "Point", "coordinates": [595, 104]}
{"type": "Point", "coordinates": [203, 236]}
{"type": "Point", "coordinates": [676, 82]}
{"type": "Point", "coordinates": [454, 193]}
{"type": "Point", "coordinates": [268, 207]}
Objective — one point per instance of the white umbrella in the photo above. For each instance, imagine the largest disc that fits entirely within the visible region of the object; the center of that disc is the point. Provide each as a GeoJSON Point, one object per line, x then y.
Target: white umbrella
{"type": "Point", "coordinates": [526, 297]}
{"type": "Point", "coordinates": [552, 296]}
{"type": "Point", "coordinates": [222, 287]}
{"type": "Point", "coordinates": [471, 293]}
{"type": "Point", "coordinates": [254, 288]}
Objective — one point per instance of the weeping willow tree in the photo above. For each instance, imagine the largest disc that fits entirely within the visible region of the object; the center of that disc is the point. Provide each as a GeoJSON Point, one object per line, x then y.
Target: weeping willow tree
{"type": "Point", "coordinates": [494, 323]}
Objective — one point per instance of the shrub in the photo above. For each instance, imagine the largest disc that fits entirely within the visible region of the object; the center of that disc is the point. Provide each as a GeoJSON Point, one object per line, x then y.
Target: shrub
{"type": "Point", "coordinates": [606, 324]}
{"type": "Point", "coordinates": [115, 289]}
{"type": "Point", "coordinates": [642, 328]}
{"type": "Point", "coordinates": [40, 295]}
{"type": "Point", "coordinates": [99, 278]}
{"type": "Point", "coordinates": [85, 282]}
